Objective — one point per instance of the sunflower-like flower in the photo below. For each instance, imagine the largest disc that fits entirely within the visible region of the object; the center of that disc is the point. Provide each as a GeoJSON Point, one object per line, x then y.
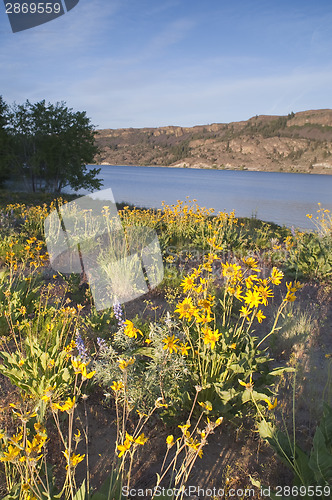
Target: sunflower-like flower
{"type": "Point", "coordinates": [186, 308]}
{"type": "Point", "coordinates": [171, 344]}
{"type": "Point", "coordinates": [130, 330]}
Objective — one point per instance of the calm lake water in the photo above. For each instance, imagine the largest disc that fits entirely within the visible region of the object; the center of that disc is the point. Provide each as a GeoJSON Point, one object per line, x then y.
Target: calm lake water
{"type": "Point", "coordinates": [271, 196]}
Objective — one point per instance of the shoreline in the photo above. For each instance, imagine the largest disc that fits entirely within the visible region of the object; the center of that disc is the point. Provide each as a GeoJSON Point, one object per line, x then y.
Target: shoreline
{"type": "Point", "coordinates": [197, 167]}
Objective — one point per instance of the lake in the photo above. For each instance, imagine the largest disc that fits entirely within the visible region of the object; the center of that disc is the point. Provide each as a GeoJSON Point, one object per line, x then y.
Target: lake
{"type": "Point", "coordinates": [272, 196]}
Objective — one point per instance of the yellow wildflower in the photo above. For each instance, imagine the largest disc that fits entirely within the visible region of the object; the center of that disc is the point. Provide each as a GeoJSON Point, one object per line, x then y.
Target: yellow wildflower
{"type": "Point", "coordinates": [205, 304]}
{"type": "Point", "coordinates": [251, 263]}
{"type": "Point", "coordinates": [117, 386]}
{"type": "Point", "coordinates": [265, 293]}
{"type": "Point", "coordinates": [186, 308]}
{"type": "Point", "coordinates": [248, 385]}
{"type": "Point", "coordinates": [141, 439]}
{"type": "Point", "coordinates": [17, 438]}
{"type": "Point", "coordinates": [170, 440]}
{"type": "Point", "coordinates": [77, 436]}
{"type": "Point", "coordinates": [170, 343]}
{"type": "Point", "coordinates": [203, 318]}
{"type": "Point", "coordinates": [188, 283]}
{"type": "Point", "coordinates": [252, 298]}
{"type": "Point", "coordinates": [184, 428]}
{"type": "Point", "coordinates": [211, 336]}
{"type": "Point", "coordinates": [231, 271]}
{"type": "Point", "coordinates": [293, 287]}
{"type": "Point", "coordinates": [207, 405]}
{"type": "Point", "coordinates": [244, 312]}
{"type": "Point", "coordinates": [10, 455]}
{"type": "Point", "coordinates": [70, 347]}
{"type": "Point", "coordinates": [270, 405]}
{"type": "Point", "coordinates": [260, 316]}
{"type": "Point", "coordinates": [67, 406]}
{"type": "Point", "coordinates": [123, 363]}
{"type": "Point", "coordinates": [184, 348]}
{"type": "Point", "coordinates": [74, 460]}
{"type": "Point", "coordinates": [123, 448]}
{"type": "Point", "coordinates": [130, 330]}
{"type": "Point", "coordinates": [290, 297]}
{"type": "Point", "coordinates": [250, 280]}
{"type": "Point", "coordinates": [48, 393]}
{"type": "Point", "coordinates": [39, 428]}
{"type": "Point", "coordinates": [276, 276]}
{"type": "Point", "coordinates": [80, 368]}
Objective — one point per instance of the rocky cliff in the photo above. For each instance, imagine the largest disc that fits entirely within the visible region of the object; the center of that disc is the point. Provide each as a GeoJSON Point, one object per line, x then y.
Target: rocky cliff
{"type": "Point", "coordinates": [298, 142]}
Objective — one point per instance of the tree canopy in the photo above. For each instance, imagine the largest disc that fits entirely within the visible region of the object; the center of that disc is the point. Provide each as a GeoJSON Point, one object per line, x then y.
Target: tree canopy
{"type": "Point", "coordinates": [4, 142]}
{"type": "Point", "coordinates": [50, 146]}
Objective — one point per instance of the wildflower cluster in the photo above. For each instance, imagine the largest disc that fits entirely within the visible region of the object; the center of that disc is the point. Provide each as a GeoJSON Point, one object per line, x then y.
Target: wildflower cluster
{"type": "Point", "coordinates": [189, 446]}
{"type": "Point", "coordinates": [323, 220]}
{"type": "Point", "coordinates": [80, 368]}
{"type": "Point", "coordinates": [207, 340]}
{"type": "Point", "coordinates": [131, 442]}
{"type": "Point", "coordinates": [24, 447]}
{"type": "Point", "coordinates": [219, 345]}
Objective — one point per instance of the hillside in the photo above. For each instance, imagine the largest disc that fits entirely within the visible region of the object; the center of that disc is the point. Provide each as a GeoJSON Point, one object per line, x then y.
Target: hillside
{"type": "Point", "coordinates": [299, 142]}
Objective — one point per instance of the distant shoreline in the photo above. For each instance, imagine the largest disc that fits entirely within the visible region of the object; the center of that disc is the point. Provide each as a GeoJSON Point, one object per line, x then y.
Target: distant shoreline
{"type": "Point", "coordinates": [196, 167]}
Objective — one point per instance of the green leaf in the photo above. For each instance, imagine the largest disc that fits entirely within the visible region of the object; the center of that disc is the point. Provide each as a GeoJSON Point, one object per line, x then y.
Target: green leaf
{"type": "Point", "coordinates": [266, 430]}
{"type": "Point", "coordinates": [81, 493]}
{"type": "Point", "coordinates": [321, 458]}
{"type": "Point", "coordinates": [249, 394]}
{"type": "Point", "coordinates": [65, 375]}
{"type": "Point", "coordinates": [44, 360]}
{"type": "Point", "coordinates": [280, 371]}
{"type": "Point", "coordinates": [225, 396]}
{"type": "Point", "coordinates": [145, 351]}
{"type": "Point", "coordinates": [98, 496]}
{"type": "Point", "coordinates": [326, 425]}
{"type": "Point", "coordinates": [236, 368]}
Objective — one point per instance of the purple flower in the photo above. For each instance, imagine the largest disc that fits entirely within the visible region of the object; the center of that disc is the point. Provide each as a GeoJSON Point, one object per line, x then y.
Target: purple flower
{"type": "Point", "coordinates": [82, 351]}
{"type": "Point", "coordinates": [101, 343]}
{"type": "Point", "coordinates": [118, 314]}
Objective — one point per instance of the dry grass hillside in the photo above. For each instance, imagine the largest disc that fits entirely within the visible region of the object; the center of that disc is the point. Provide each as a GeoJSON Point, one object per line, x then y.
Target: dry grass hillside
{"type": "Point", "coordinates": [299, 142]}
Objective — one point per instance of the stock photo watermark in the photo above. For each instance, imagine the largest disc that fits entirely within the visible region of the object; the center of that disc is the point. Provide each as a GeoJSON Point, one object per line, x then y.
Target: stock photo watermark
{"type": "Point", "coordinates": [220, 493]}
{"type": "Point", "coordinates": [23, 14]}
{"type": "Point", "coordinates": [86, 235]}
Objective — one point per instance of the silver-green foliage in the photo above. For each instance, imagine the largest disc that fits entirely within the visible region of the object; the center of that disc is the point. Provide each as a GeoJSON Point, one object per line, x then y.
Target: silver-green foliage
{"type": "Point", "coordinates": [155, 373]}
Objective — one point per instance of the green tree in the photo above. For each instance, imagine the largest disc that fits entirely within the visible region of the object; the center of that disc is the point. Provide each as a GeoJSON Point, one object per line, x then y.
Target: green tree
{"type": "Point", "coordinates": [51, 146]}
{"type": "Point", "coordinates": [4, 142]}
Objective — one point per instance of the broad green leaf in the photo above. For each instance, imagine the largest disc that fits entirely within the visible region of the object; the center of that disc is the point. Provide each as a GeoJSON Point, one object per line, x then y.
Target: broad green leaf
{"type": "Point", "coordinates": [81, 493]}
{"type": "Point", "coordinates": [321, 458]}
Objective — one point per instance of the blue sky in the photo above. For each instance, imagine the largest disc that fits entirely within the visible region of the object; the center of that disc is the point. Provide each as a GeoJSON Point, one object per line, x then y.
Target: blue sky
{"type": "Point", "coordinates": [150, 63]}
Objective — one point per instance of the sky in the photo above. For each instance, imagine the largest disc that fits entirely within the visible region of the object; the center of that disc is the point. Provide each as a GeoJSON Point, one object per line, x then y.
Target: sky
{"type": "Point", "coordinates": [151, 63]}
